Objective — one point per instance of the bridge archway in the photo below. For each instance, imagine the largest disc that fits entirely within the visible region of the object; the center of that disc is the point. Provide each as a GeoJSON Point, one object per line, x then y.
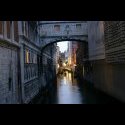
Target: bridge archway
{"type": "Point", "coordinates": [63, 40]}
{"type": "Point", "coordinates": [45, 59]}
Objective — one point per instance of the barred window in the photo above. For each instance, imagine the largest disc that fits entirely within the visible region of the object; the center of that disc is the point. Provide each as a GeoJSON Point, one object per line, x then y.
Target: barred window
{"type": "Point", "coordinates": [57, 28]}
{"type": "Point", "coordinates": [27, 56]}
{"type": "Point", "coordinates": [78, 27]}
{"type": "Point", "coordinates": [25, 28]}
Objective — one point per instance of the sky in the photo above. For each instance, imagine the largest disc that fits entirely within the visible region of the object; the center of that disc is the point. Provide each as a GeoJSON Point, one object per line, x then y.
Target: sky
{"type": "Point", "coordinates": [63, 46]}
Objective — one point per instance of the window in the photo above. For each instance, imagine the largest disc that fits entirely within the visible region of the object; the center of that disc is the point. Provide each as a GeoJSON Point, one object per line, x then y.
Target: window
{"type": "Point", "coordinates": [78, 27]}
{"type": "Point", "coordinates": [27, 56]}
{"type": "Point", "coordinates": [9, 29]}
{"type": "Point", "coordinates": [57, 28]}
{"type": "Point", "coordinates": [1, 27]}
{"type": "Point", "coordinates": [67, 29]}
{"type": "Point", "coordinates": [26, 28]}
{"type": "Point", "coordinates": [32, 57]}
{"type": "Point", "coordinates": [16, 38]}
{"type": "Point", "coordinates": [67, 26]}
{"type": "Point", "coordinates": [35, 59]}
{"type": "Point", "coordinates": [22, 27]}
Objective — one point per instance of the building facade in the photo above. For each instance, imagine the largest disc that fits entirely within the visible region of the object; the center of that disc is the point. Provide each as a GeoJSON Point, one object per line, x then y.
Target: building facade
{"type": "Point", "coordinates": [49, 66]}
{"type": "Point", "coordinates": [82, 63]}
{"type": "Point", "coordinates": [72, 48]}
{"type": "Point", "coordinates": [106, 55]}
{"type": "Point", "coordinates": [30, 54]}
{"type": "Point", "coordinates": [20, 58]}
{"type": "Point", "coordinates": [114, 32]}
{"type": "Point", "coordinates": [24, 65]}
{"type": "Point", "coordinates": [10, 83]}
{"type": "Point", "coordinates": [57, 58]}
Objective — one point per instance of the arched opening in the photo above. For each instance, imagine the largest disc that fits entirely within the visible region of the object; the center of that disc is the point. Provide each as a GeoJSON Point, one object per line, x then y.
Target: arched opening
{"type": "Point", "coordinates": [66, 69]}
{"type": "Point", "coordinates": [80, 44]}
{"type": "Point", "coordinates": [62, 40]}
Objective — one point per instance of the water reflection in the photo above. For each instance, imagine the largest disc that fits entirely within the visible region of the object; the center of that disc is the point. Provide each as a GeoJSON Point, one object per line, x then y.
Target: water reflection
{"type": "Point", "coordinates": [72, 91]}
{"type": "Point", "coordinates": [68, 92]}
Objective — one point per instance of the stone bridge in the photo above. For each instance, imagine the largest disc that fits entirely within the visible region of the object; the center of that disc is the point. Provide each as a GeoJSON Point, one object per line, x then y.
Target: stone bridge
{"type": "Point", "coordinates": [56, 31]}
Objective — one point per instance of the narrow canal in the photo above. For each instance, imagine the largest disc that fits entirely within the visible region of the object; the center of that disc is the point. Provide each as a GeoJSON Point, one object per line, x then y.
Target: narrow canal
{"type": "Point", "coordinates": [70, 91]}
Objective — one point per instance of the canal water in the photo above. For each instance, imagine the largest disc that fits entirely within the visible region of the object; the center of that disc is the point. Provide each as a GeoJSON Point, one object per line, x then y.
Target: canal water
{"type": "Point", "coordinates": [71, 91]}
{"type": "Point", "coordinates": [68, 91]}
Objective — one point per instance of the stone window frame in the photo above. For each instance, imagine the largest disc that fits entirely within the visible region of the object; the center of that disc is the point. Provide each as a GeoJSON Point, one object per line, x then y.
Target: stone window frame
{"type": "Point", "coordinates": [58, 28]}
{"type": "Point", "coordinates": [25, 28]}
{"type": "Point", "coordinates": [27, 61]}
{"type": "Point", "coordinates": [78, 27]}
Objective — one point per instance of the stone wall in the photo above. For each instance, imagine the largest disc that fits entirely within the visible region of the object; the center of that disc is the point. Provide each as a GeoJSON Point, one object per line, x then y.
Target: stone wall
{"type": "Point", "coordinates": [96, 40]}
{"type": "Point", "coordinates": [9, 63]}
{"type": "Point", "coordinates": [8, 74]}
{"type": "Point", "coordinates": [109, 78]}
{"type": "Point", "coordinates": [80, 59]}
{"type": "Point", "coordinates": [62, 31]}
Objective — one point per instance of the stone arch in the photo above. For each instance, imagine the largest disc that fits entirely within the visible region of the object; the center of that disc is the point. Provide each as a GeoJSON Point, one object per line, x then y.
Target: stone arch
{"type": "Point", "coordinates": [62, 40]}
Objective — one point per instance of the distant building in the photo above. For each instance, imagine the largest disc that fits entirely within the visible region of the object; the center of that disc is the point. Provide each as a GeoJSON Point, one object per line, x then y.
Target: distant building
{"type": "Point", "coordinates": [82, 60]}
{"type": "Point", "coordinates": [62, 57]}
{"type": "Point", "coordinates": [57, 52]}
{"type": "Point", "coordinates": [66, 56]}
{"type": "Point", "coordinates": [72, 47]}
{"type": "Point", "coordinates": [57, 58]}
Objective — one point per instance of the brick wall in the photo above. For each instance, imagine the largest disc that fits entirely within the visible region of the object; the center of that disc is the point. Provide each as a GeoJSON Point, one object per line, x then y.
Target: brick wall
{"type": "Point", "coordinates": [108, 73]}
{"type": "Point", "coordinates": [115, 41]}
